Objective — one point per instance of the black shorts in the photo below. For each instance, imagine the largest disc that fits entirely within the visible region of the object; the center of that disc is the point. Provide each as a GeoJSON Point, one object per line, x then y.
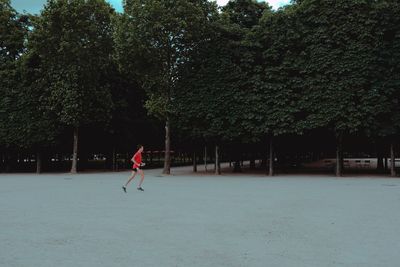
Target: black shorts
{"type": "Point", "coordinates": [135, 169]}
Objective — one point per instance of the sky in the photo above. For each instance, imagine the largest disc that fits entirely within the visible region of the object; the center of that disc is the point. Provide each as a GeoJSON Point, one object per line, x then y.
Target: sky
{"type": "Point", "coordinates": [34, 6]}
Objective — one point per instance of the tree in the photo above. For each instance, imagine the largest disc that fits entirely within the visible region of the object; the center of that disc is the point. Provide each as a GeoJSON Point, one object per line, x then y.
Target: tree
{"type": "Point", "coordinates": [341, 40]}
{"type": "Point", "coordinates": [319, 69]}
{"type": "Point", "coordinates": [387, 70]}
{"type": "Point", "coordinates": [13, 30]}
{"type": "Point", "coordinates": [33, 126]}
{"type": "Point", "coordinates": [279, 78]}
{"type": "Point", "coordinates": [214, 100]}
{"type": "Point", "coordinates": [128, 115]}
{"type": "Point", "coordinates": [73, 40]}
{"type": "Point", "coordinates": [154, 40]}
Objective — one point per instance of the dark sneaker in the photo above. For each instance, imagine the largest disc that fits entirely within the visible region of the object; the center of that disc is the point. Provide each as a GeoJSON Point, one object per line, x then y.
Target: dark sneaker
{"type": "Point", "coordinates": [124, 188]}
{"type": "Point", "coordinates": [140, 189]}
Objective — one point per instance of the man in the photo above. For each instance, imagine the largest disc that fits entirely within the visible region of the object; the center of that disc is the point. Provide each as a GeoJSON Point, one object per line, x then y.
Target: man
{"type": "Point", "coordinates": [137, 163]}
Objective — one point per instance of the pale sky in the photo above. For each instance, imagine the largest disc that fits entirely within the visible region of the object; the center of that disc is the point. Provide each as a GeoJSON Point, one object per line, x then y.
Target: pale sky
{"type": "Point", "coordinates": [34, 6]}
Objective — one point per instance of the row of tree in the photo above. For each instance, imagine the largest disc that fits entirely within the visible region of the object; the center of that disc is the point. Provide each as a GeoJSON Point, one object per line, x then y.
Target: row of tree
{"type": "Point", "coordinates": [241, 74]}
{"type": "Point", "coordinates": [330, 65]}
{"type": "Point", "coordinates": [59, 80]}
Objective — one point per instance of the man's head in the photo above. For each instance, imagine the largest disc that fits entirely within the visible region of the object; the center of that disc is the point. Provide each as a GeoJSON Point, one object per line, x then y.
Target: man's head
{"type": "Point", "coordinates": [140, 148]}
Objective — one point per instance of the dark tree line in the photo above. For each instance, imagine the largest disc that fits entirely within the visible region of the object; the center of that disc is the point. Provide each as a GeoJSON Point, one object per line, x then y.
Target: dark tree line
{"type": "Point", "coordinates": [322, 69]}
{"type": "Point", "coordinates": [317, 76]}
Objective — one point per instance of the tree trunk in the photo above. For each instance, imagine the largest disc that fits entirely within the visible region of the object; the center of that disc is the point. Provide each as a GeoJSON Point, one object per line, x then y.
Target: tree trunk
{"type": "Point", "coordinates": [252, 161]}
{"type": "Point", "coordinates": [392, 161]}
{"type": "Point", "coordinates": [7, 163]}
{"type": "Point", "coordinates": [167, 158]}
{"type": "Point", "coordinates": [386, 163]}
{"type": "Point", "coordinates": [263, 163]}
{"type": "Point", "coordinates": [38, 162]}
{"type": "Point", "coordinates": [236, 166]}
{"type": "Point", "coordinates": [237, 159]}
{"type": "Point", "coordinates": [1, 161]}
{"type": "Point", "coordinates": [380, 162]}
{"type": "Point", "coordinates": [271, 156]}
{"type": "Point", "coordinates": [339, 156]}
{"type": "Point", "coordinates": [114, 159]}
{"type": "Point", "coordinates": [205, 158]}
{"type": "Point", "coordinates": [75, 152]}
{"type": "Point", "coordinates": [217, 165]}
{"type": "Point", "coordinates": [194, 162]}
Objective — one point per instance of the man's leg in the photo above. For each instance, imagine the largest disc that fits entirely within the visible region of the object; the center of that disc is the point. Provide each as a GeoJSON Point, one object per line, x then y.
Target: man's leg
{"type": "Point", "coordinates": [129, 180]}
{"type": "Point", "coordinates": [141, 179]}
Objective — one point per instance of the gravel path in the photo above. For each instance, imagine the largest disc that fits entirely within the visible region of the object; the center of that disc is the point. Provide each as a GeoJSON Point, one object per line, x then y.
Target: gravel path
{"type": "Point", "coordinates": [192, 220]}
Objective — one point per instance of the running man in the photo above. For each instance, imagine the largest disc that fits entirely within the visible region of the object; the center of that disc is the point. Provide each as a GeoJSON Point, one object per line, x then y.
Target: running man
{"type": "Point", "coordinates": [137, 163]}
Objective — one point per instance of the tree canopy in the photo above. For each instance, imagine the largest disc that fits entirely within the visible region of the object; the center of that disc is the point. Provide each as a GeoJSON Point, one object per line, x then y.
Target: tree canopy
{"type": "Point", "coordinates": [238, 74]}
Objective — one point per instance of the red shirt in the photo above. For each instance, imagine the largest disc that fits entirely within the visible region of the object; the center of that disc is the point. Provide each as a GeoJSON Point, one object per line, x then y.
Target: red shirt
{"type": "Point", "coordinates": [138, 158]}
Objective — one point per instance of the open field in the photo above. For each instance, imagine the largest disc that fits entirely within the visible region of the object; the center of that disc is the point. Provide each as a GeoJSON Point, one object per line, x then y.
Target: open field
{"type": "Point", "coordinates": [199, 220]}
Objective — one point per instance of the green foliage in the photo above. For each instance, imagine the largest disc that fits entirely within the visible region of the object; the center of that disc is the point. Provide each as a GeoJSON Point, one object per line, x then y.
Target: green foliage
{"type": "Point", "coordinates": [315, 64]}
{"type": "Point", "coordinates": [208, 102]}
{"type": "Point", "coordinates": [387, 68]}
{"type": "Point", "coordinates": [215, 99]}
{"type": "Point", "coordinates": [155, 39]}
{"type": "Point", "coordinates": [280, 78]}
{"type": "Point", "coordinates": [320, 67]}
{"type": "Point", "coordinates": [244, 13]}
{"type": "Point", "coordinates": [74, 43]}
{"type": "Point", "coordinates": [30, 124]}
{"type": "Point", "coordinates": [237, 74]}
{"type": "Point", "coordinates": [341, 47]}
{"type": "Point", "coordinates": [13, 30]}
